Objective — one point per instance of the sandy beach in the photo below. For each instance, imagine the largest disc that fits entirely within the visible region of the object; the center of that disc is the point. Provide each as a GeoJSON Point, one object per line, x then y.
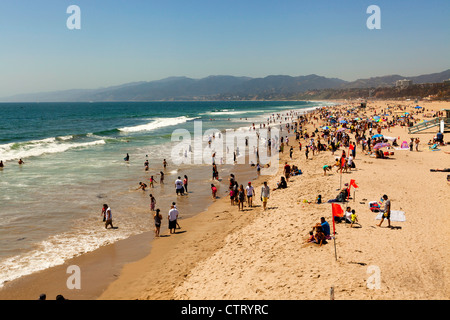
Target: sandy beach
{"type": "Point", "coordinates": [224, 253]}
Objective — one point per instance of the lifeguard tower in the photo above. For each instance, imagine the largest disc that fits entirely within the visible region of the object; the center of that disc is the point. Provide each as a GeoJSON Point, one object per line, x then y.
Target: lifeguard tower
{"type": "Point", "coordinates": [442, 122]}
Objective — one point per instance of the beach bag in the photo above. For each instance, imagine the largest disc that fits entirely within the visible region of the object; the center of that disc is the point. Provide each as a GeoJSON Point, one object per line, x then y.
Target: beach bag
{"type": "Point", "coordinates": [374, 206]}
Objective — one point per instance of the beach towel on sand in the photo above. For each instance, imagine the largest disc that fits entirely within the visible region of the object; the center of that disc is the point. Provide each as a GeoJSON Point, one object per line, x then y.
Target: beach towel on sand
{"type": "Point", "coordinates": [395, 216]}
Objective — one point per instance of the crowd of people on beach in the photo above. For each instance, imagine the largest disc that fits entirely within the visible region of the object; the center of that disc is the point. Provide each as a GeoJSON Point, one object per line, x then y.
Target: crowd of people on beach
{"type": "Point", "coordinates": [337, 130]}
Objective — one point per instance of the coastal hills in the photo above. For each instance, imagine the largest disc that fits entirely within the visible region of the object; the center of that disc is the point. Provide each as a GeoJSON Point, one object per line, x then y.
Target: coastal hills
{"type": "Point", "coordinates": [273, 87]}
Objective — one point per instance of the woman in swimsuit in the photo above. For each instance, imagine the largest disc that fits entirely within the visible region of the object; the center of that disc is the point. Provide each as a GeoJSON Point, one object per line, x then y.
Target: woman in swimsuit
{"type": "Point", "coordinates": [157, 217]}
{"type": "Point", "coordinates": [241, 198]}
{"type": "Point", "coordinates": [152, 202]}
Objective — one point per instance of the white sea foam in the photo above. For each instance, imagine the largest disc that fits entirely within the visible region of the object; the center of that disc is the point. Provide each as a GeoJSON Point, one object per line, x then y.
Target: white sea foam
{"type": "Point", "coordinates": [156, 124]}
{"type": "Point", "coordinates": [228, 112]}
{"type": "Point", "coordinates": [34, 148]}
{"type": "Point", "coordinates": [57, 249]}
{"type": "Point", "coordinates": [64, 138]}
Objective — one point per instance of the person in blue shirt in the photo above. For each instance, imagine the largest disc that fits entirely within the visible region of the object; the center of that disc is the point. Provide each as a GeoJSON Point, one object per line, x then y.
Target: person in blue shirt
{"type": "Point", "coordinates": [325, 227]}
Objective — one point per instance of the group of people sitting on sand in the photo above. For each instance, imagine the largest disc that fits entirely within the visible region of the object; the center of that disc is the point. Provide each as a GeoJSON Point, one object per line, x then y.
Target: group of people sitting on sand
{"type": "Point", "coordinates": [320, 233]}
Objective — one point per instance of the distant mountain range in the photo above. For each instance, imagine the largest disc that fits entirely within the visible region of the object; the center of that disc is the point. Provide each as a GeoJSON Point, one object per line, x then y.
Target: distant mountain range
{"type": "Point", "coordinates": [219, 88]}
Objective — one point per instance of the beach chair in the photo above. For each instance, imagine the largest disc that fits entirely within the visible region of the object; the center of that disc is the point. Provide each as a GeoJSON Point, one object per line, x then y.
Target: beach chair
{"type": "Point", "coordinates": [434, 147]}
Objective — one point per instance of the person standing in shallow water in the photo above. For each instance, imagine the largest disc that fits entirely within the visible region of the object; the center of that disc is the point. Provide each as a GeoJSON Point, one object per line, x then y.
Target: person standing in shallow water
{"type": "Point", "coordinates": [157, 217]}
{"type": "Point", "coordinates": [108, 216]}
{"type": "Point", "coordinates": [152, 202]}
{"type": "Point", "coordinates": [185, 183]}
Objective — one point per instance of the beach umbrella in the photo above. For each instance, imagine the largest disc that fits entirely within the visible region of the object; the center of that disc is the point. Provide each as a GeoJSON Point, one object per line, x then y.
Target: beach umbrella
{"type": "Point", "coordinates": [377, 136]}
{"type": "Point", "coordinates": [341, 129]}
{"type": "Point", "coordinates": [381, 145]}
{"type": "Point", "coordinates": [406, 112]}
{"type": "Point", "coordinates": [342, 121]}
{"type": "Point", "coordinates": [326, 128]}
{"type": "Point", "coordinates": [418, 107]}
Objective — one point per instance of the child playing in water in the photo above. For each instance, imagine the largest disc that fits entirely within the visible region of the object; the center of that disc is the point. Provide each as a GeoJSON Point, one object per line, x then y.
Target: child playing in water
{"type": "Point", "coordinates": [214, 191]}
{"type": "Point", "coordinates": [152, 180]}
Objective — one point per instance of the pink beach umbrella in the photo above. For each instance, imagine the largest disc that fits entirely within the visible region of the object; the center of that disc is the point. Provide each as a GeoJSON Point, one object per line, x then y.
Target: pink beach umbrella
{"type": "Point", "coordinates": [381, 145]}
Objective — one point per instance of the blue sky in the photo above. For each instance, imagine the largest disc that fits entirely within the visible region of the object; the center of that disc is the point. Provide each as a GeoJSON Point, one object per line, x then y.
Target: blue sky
{"type": "Point", "coordinates": [142, 40]}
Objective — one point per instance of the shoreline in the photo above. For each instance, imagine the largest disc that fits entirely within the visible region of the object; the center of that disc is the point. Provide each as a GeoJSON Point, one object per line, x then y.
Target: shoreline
{"type": "Point", "coordinates": [170, 267]}
{"type": "Point", "coordinates": [262, 255]}
{"type": "Point", "coordinates": [125, 251]}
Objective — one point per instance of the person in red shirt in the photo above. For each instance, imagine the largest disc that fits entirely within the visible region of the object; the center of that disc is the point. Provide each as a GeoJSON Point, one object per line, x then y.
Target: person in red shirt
{"type": "Point", "coordinates": [287, 171]}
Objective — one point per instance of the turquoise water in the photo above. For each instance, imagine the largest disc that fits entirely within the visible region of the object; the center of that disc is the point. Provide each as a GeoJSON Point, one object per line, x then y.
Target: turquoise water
{"type": "Point", "coordinates": [73, 152]}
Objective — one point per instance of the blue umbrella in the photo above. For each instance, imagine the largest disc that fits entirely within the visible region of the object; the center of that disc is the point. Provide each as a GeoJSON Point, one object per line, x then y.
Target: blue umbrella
{"type": "Point", "coordinates": [418, 107]}
{"type": "Point", "coordinates": [377, 136]}
{"type": "Point", "coordinates": [342, 121]}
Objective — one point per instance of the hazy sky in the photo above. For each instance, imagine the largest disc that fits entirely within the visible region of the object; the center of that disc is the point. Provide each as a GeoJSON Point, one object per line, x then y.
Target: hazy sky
{"type": "Point", "coordinates": [142, 40]}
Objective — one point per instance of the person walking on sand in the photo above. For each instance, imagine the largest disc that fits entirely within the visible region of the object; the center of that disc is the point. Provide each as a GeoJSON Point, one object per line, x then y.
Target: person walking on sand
{"type": "Point", "coordinates": [172, 218]}
{"type": "Point", "coordinates": [417, 144]}
{"type": "Point", "coordinates": [249, 190]}
{"type": "Point", "coordinates": [157, 217]}
{"type": "Point", "coordinates": [386, 211]}
{"type": "Point", "coordinates": [287, 171]}
{"type": "Point", "coordinates": [265, 194]}
{"type": "Point", "coordinates": [241, 198]}
{"type": "Point", "coordinates": [108, 216]}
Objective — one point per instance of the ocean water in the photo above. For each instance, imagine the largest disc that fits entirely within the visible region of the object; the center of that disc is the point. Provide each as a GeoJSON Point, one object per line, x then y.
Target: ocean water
{"type": "Point", "coordinates": [73, 157]}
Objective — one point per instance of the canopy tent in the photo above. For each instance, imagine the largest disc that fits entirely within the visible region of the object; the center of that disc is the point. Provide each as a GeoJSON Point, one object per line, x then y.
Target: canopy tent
{"type": "Point", "coordinates": [390, 138]}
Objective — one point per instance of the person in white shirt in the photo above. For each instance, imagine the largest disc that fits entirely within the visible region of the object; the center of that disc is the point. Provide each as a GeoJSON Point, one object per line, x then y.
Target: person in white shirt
{"type": "Point", "coordinates": [350, 162]}
{"type": "Point", "coordinates": [348, 215]}
{"type": "Point", "coordinates": [108, 216]}
{"type": "Point", "coordinates": [179, 186]}
{"type": "Point", "coordinates": [249, 191]}
{"type": "Point", "coordinates": [172, 217]}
